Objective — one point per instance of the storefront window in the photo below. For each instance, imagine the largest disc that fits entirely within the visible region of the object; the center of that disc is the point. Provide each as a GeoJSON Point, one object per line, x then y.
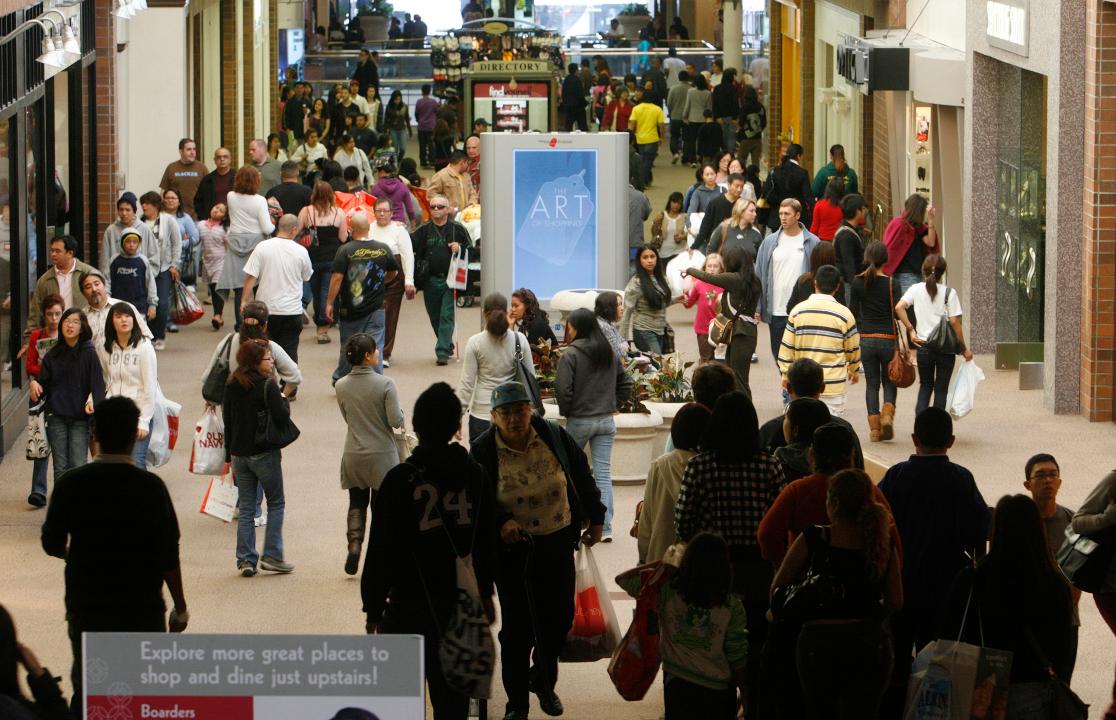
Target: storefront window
{"type": "Point", "coordinates": [7, 234]}
{"type": "Point", "coordinates": [1021, 206]}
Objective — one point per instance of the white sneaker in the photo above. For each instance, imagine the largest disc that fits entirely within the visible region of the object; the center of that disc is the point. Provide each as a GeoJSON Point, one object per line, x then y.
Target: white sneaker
{"type": "Point", "coordinates": [160, 344]}
{"type": "Point", "coordinates": [261, 520]}
{"type": "Point", "coordinates": [387, 363]}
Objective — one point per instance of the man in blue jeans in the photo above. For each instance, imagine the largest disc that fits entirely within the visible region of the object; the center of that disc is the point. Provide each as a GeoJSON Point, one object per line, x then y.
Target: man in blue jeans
{"type": "Point", "coordinates": [361, 271]}
{"type": "Point", "coordinates": [647, 122]}
{"type": "Point", "coordinates": [783, 256]}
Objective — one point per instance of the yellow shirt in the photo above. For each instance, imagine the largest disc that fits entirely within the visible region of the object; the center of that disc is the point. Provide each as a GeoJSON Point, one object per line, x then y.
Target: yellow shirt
{"type": "Point", "coordinates": [532, 486]}
{"type": "Point", "coordinates": [647, 118]}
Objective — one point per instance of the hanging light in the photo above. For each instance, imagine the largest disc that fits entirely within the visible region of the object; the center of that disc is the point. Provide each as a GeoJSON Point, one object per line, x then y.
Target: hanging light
{"type": "Point", "coordinates": [70, 43]}
{"type": "Point", "coordinates": [53, 54]}
{"type": "Point", "coordinates": [124, 9]}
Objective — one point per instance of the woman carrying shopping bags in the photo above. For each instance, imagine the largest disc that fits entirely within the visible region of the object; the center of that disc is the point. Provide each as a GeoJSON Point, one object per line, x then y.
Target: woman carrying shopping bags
{"type": "Point", "coordinates": [873, 301]}
{"type": "Point", "coordinates": [932, 301]}
{"type": "Point", "coordinates": [369, 404]}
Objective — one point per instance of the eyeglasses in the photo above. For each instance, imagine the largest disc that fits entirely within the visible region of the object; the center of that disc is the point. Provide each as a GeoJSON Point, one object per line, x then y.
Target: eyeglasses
{"type": "Point", "coordinates": [438, 207]}
{"type": "Point", "coordinates": [1047, 475]}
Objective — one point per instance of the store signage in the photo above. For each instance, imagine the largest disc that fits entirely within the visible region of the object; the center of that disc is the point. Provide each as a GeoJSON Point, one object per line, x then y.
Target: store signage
{"type": "Point", "coordinates": [873, 67]}
{"type": "Point", "coordinates": [507, 90]}
{"type": "Point", "coordinates": [511, 66]}
{"type": "Point", "coordinates": [1007, 25]}
{"type": "Point", "coordinates": [251, 677]}
{"type": "Point", "coordinates": [555, 219]}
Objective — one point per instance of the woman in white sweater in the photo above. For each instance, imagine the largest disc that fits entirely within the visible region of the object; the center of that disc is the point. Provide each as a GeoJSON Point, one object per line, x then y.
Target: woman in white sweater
{"type": "Point", "coordinates": [130, 369]}
{"type": "Point", "coordinates": [396, 237]}
{"type": "Point", "coordinates": [490, 360]}
{"type": "Point", "coordinates": [249, 223]}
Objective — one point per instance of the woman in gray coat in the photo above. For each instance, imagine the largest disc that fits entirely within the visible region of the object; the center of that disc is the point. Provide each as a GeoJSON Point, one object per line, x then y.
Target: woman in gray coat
{"type": "Point", "coordinates": [370, 406]}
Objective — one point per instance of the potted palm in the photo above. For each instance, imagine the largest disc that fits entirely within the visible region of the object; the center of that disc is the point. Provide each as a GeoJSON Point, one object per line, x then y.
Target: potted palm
{"type": "Point", "coordinates": [633, 17]}
{"type": "Point", "coordinates": [668, 390]}
{"type": "Point", "coordinates": [636, 428]}
{"type": "Point", "coordinates": [374, 16]}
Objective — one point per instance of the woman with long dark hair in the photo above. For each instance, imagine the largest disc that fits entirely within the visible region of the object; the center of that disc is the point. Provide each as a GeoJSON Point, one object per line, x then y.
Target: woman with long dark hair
{"type": "Point", "coordinates": [72, 382]}
{"type": "Point", "coordinates": [490, 361]}
{"type": "Point", "coordinates": [1019, 601]}
{"type": "Point", "coordinates": [844, 649]}
{"type": "Point", "coordinates": [873, 301]}
{"type": "Point", "coordinates": [369, 404]}
{"type": "Point", "coordinates": [590, 387]}
{"type": "Point", "coordinates": [251, 393]}
{"type": "Point", "coordinates": [323, 217]}
{"type": "Point", "coordinates": [397, 121]}
{"type": "Point", "coordinates": [824, 253]}
{"type": "Point", "coordinates": [669, 229]}
{"type": "Point", "coordinates": [727, 489]}
{"type": "Point", "coordinates": [789, 179]}
{"type": "Point", "coordinates": [739, 304]}
{"type": "Point", "coordinates": [530, 319]}
{"type": "Point", "coordinates": [932, 300]}
{"type": "Point", "coordinates": [130, 369]}
{"type": "Point", "coordinates": [609, 308]}
{"type": "Point", "coordinates": [910, 238]}
{"type": "Point", "coordinates": [646, 299]}
{"type": "Point", "coordinates": [48, 703]}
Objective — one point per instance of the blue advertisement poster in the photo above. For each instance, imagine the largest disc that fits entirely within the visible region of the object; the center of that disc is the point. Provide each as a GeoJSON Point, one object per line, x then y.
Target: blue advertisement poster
{"type": "Point", "coordinates": [555, 216]}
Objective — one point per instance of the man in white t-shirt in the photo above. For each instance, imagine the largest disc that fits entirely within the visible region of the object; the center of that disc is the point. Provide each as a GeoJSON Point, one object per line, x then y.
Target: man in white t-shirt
{"type": "Point", "coordinates": [782, 258]}
{"type": "Point", "coordinates": [276, 269]}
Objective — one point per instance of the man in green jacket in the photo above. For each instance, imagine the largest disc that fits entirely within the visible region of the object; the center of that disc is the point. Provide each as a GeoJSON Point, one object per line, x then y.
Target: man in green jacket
{"type": "Point", "coordinates": [60, 279]}
{"type": "Point", "coordinates": [837, 168]}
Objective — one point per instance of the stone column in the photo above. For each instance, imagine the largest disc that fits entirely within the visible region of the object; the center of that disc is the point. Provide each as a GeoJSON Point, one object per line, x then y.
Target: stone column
{"type": "Point", "coordinates": [733, 24]}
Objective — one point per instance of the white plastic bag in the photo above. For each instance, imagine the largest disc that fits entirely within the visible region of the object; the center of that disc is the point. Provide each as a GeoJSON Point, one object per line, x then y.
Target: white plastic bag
{"type": "Point", "coordinates": [220, 498]}
{"type": "Point", "coordinates": [595, 633]}
{"type": "Point", "coordinates": [458, 276]}
{"type": "Point", "coordinates": [962, 391]}
{"type": "Point", "coordinates": [164, 429]}
{"type": "Point", "coordinates": [682, 261]}
{"type": "Point", "coordinates": [207, 457]}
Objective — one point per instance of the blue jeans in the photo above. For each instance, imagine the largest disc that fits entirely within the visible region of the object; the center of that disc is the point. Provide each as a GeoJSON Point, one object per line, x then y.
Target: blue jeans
{"type": "Point", "coordinates": [648, 341]}
{"type": "Point", "coordinates": [139, 450]}
{"type": "Point", "coordinates": [875, 354]}
{"type": "Point", "coordinates": [163, 284]}
{"type": "Point", "coordinates": [319, 290]}
{"type": "Point", "coordinates": [647, 153]}
{"type": "Point", "coordinates": [374, 324]}
{"type": "Point", "coordinates": [39, 476]}
{"type": "Point", "coordinates": [905, 280]}
{"type": "Point", "coordinates": [934, 372]}
{"type": "Point", "coordinates": [252, 471]}
{"type": "Point", "coordinates": [598, 432]}
{"type": "Point", "coordinates": [776, 327]}
{"type": "Point", "coordinates": [728, 134]}
{"type": "Point", "coordinates": [399, 140]}
{"type": "Point", "coordinates": [238, 295]}
{"type": "Point", "coordinates": [69, 442]}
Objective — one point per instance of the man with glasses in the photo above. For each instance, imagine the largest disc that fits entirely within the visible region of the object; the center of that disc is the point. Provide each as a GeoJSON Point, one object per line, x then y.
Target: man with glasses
{"type": "Point", "coordinates": [435, 242]}
{"type": "Point", "coordinates": [216, 186]}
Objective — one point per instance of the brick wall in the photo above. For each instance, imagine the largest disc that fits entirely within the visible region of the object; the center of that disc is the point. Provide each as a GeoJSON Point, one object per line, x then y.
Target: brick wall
{"type": "Point", "coordinates": [273, 60]}
{"type": "Point", "coordinates": [1099, 213]}
{"type": "Point", "coordinates": [106, 172]}
{"type": "Point", "coordinates": [247, 78]}
{"type": "Point", "coordinates": [229, 77]}
{"type": "Point", "coordinates": [805, 135]}
{"type": "Point", "coordinates": [880, 188]}
{"type": "Point", "coordinates": [774, 97]}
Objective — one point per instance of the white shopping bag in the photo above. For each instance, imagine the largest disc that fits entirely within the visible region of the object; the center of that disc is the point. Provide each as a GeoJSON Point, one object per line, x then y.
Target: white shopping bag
{"type": "Point", "coordinates": [682, 261]}
{"type": "Point", "coordinates": [164, 429]}
{"type": "Point", "coordinates": [458, 276]}
{"type": "Point", "coordinates": [207, 457]}
{"type": "Point", "coordinates": [962, 391]}
{"type": "Point", "coordinates": [595, 633]}
{"type": "Point", "coordinates": [220, 498]}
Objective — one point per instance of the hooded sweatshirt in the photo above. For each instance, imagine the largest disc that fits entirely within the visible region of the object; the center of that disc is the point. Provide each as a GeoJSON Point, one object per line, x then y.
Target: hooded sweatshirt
{"type": "Point", "coordinates": [403, 205]}
{"type": "Point", "coordinates": [131, 372]}
{"type": "Point", "coordinates": [429, 511]}
{"type": "Point", "coordinates": [149, 246]}
{"type": "Point", "coordinates": [702, 197]}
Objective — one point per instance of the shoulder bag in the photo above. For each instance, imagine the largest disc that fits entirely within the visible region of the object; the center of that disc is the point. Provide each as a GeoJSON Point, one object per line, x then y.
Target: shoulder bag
{"type": "Point", "coordinates": [900, 371]}
{"type": "Point", "coordinates": [720, 328]}
{"type": "Point", "coordinates": [213, 389]}
{"type": "Point", "coordinates": [1063, 703]}
{"type": "Point", "coordinates": [1085, 560]}
{"type": "Point", "coordinates": [528, 379]}
{"type": "Point", "coordinates": [271, 433]}
{"type": "Point", "coordinates": [308, 236]}
{"type": "Point", "coordinates": [818, 589]}
{"type": "Point", "coordinates": [944, 340]}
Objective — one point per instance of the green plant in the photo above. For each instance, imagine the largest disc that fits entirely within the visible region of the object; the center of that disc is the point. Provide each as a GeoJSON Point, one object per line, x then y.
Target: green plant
{"type": "Point", "coordinates": [637, 9]}
{"type": "Point", "coordinates": [670, 384]}
{"type": "Point", "coordinates": [641, 391]}
{"type": "Point", "coordinates": [375, 7]}
{"type": "Point", "coordinates": [546, 354]}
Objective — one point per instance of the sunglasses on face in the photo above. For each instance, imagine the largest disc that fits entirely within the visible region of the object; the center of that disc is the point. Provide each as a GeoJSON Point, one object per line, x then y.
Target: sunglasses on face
{"type": "Point", "coordinates": [438, 207]}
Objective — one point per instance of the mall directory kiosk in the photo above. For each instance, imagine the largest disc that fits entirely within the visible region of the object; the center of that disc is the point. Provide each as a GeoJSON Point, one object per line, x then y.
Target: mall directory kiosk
{"type": "Point", "coordinates": [554, 211]}
{"type": "Point", "coordinates": [512, 95]}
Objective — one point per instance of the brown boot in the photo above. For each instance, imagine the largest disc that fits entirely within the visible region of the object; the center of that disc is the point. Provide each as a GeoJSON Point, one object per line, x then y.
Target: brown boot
{"type": "Point", "coordinates": [323, 335]}
{"type": "Point", "coordinates": [887, 421]}
{"type": "Point", "coordinates": [356, 520]}
{"type": "Point", "coordinates": [874, 428]}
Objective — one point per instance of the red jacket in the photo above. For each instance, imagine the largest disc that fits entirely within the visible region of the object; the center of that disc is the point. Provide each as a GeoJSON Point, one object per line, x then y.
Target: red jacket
{"type": "Point", "coordinates": [898, 237]}
{"type": "Point", "coordinates": [622, 113]}
{"type": "Point", "coordinates": [827, 218]}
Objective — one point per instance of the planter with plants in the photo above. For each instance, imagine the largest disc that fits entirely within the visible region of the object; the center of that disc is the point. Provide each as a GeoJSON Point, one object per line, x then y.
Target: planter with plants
{"type": "Point", "coordinates": [636, 430]}
{"type": "Point", "coordinates": [668, 390]}
{"type": "Point", "coordinates": [633, 17]}
{"type": "Point", "coordinates": [374, 17]}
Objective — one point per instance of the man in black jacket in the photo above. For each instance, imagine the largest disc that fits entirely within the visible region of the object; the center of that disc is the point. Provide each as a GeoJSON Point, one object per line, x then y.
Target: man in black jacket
{"type": "Point", "coordinates": [367, 72]}
{"type": "Point", "coordinates": [545, 496]}
{"type": "Point", "coordinates": [718, 211]}
{"type": "Point", "coordinates": [848, 242]}
{"type": "Point", "coordinates": [435, 243]}
{"type": "Point", "coordinates": [726, 108]}
{"type": "Point", "coordinates": [215, 187]}
{"type": "Point", "coordinates": [429, 511]}
{"type": "Point", "coordinates": [573, 100]}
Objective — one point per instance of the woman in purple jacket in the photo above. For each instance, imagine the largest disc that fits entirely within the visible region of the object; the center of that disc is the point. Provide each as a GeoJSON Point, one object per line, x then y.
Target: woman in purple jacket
{"type": "Point", "coordinates": [404, 207]}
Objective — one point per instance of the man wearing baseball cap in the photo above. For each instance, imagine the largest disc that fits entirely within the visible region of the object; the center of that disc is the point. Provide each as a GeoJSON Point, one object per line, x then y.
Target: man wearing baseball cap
{"type": "Point", "coordinates": [545, 499]}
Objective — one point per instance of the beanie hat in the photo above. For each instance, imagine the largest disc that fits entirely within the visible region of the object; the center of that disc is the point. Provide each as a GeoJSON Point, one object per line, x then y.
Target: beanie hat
{"type": "Point", "coordinates": [128, 197]}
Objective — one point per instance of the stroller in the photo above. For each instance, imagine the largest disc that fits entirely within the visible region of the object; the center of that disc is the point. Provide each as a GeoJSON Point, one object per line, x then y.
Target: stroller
{"type": "Point", "coordinates": [470, 220]}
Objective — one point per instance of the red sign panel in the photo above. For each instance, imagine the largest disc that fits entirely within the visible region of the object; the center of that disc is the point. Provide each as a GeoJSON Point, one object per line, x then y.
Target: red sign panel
{"type": "Point", "coordinates": [496, 91]}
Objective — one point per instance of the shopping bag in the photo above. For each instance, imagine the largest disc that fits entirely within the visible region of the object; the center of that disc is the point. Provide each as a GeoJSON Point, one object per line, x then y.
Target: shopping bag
{"type": "Point", "coordinates": [185, 307]}
{"type": "Point", "coordinates": [595, 633]}
{"type": "Point", "coordinates": [220, 498]}
{"type": "Point", "coordinates": [458, 276]}
{"type": "Point", "coordinates": [37, 445]}
{"type": "Point", "coordinates": [962, 391]}
{"type": "Point", "coordinates": [636, 661]}
{"type": "Point", "coordinates": [942, 679]}
{"type": "Point", "coordinates": [207, 456]}
{"type": "Point", "coordinates": [682, 261]}
{"type": "Point", "coordinates": [164, 429]}
{"type": "Point", "coordinates": [466, 650]}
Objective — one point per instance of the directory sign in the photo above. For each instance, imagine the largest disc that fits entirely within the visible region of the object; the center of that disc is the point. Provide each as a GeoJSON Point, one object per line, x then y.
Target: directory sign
{"type": "Point", "coordinates": [554, 215]}
{"type": "Point", "coordinates": [253, 677]}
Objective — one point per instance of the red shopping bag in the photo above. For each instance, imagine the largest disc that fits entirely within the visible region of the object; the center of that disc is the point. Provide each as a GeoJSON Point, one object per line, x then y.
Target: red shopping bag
{"type": "Point", "coordinates": [185, 307]}
{"type": "Point", "coordinates": [636, 661]}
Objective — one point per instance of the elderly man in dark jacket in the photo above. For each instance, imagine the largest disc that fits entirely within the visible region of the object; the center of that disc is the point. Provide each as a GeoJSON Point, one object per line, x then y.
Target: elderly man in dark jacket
{"type": "Point", "coordinates": [545, 498]}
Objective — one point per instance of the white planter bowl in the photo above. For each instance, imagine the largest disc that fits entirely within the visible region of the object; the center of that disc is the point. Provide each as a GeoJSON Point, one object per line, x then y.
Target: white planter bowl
{"type": "Point", "coordinates": [667, 410]}
{"type": "Point", "coordinates": [634, 447]}
{"type": "Point", "coordinates": [630, 25]}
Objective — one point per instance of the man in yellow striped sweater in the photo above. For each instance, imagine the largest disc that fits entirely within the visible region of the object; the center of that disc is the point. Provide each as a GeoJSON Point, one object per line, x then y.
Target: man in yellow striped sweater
{"type": "Point", "coordinates": [824, 330]}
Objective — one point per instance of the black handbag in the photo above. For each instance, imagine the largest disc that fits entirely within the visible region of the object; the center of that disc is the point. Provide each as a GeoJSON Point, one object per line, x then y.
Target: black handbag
{"type": "Point", "coordinates": [668, 340]}
{"type": "Point", "coordinates": [1063, 703]}
{"type": "Point", "coordinates": [527, 378]}
{"type": "Point", "coordinates": [814, 594]}
{"type": "Point", "coordinates": [271, 433]}
{"type": "Point", "coordinates": [1085, 560]}
{"type": "Point", "coordinates": [943, 340]}
{"type": "Point", "coordinates": [213, 389]}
